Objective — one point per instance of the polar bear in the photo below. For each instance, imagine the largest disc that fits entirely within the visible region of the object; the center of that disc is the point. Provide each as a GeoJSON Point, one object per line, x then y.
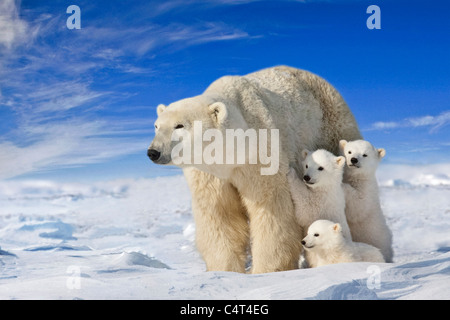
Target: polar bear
{"type": "Point", "coordinates": [364, 215]}
{"type": "Point", "coordinates": [320, 195]}
{"type": "Point", "coordinates": [235, 204]}
{"type": "Point", "coordinates": [327, 244]}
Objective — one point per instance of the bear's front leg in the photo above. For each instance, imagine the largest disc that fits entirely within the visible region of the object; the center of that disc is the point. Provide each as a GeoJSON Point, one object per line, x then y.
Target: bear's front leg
{"type": "Point", "coordinates": [275, 233]}
{"type": "Point", "coordinates": [222, 231]}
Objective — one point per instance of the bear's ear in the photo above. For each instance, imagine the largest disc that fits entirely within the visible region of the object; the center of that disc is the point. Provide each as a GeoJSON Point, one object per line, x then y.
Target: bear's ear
{"type": "Point", "coordinates": [381, 153]}
{"type": "Point", "coordinates": [342, 144]}
{"type": "Point", "coordinates": [305, 153]}
{"type": "Point", "coordinates": [218, 112]}
{"type": "Point", "coordinates": [160, 109]}
{"type": "Point", "coordinates": [337, 227]}
{"type": "Point", "coordinates": [340, 161]}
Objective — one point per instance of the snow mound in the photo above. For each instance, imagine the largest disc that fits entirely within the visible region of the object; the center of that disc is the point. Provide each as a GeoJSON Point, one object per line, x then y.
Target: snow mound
{"type": "Point", "coordinates": [136, 258]}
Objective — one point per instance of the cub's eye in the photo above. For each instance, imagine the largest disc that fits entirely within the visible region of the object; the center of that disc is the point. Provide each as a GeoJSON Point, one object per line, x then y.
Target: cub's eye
{"type": "Point", "coordinates": [349, 152]}
{"type": "Point", "coordinates": [316, 234]}
{"type": "Point", "coordinates": [364, 155]}
{"type": "Point", "coordinates": [156, 127]}
{"type": "Point", "coordinates": [179, 126]}
{"type": "Point", "coordinates": [320, 168]}
{"type": "Point", "coordinates": [306, 166]}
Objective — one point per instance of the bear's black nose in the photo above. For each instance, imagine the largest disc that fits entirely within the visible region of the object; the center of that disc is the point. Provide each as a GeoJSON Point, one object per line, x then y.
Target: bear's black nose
{"type": "Point", "coordinates": [153, 154]}
{"type": "Point", "coordinates": [354, 160]}
{"type": "Point", "coordinates": [303, 242]}
{"type": "Point", "coordinates": [306, 178]}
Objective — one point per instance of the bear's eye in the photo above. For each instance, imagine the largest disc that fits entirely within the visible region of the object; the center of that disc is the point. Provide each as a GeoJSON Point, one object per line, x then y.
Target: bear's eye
{"type": "Point", "coordinates": [179, 126]}
{"type": "Point", "coordinates": [156, 127]}
{"type": "Point", "coordinates": [320, 168]}
{"type": "Point", "coordinates": [364, 155]}
{"type": "Point", "coordinates": [306, 166]}
{"type": "Point", "coordinates": [316, 234]}
{"type": "Point", "coordinates": [349, 152]}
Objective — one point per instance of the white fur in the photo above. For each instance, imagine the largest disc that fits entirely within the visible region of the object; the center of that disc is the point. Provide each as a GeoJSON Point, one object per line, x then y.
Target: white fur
{"type": "Point", "coordinates": [235, 203]}
{"type": "Point", "coordinates": [326, 244]}
{"type": "Point", "coordinates": [363, 210]}
{"type": "Point", "coordinates": [322, 197]}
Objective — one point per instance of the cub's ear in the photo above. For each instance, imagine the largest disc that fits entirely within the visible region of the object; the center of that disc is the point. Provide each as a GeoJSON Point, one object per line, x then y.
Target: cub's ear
{"type": "Point", "coordinates": [342, 144]}
{"type": "Point", "coordinates": [218, 112]}
{"type": "Point", "coordinates": [160, 109]}
{"type": "Point", "coordinates": [381, 153]}
{"type": "Point", "coordinates": [305, 153]}
{"type": "Point", "coordinates": [340, 161]}
{"type": "Point", "coordinates": [337, 227]}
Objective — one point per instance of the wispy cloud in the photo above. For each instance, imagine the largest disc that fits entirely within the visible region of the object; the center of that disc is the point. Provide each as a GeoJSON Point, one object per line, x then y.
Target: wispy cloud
{"type": "Point", "coordinates": [106, 42]}
{"type": "Point", "coordinates": [138, 41]}
{"type": "Point", "coordinates": [69, 143]}
{"type": "Point", "coordinates": [182, 36]}
{"type": "Point", "coordinates": [100, 45]}
{"type": "Point", "coordinates": [432, 122]}
{"type": "Point", "coordinates": [60, 96]}
{"type": "Point", "coordinates": [13, 29]}
{"type": "Point", "coordinates": [56, 82]}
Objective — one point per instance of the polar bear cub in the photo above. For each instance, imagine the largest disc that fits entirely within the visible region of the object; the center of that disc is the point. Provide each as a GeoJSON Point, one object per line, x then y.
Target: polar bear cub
{"type": "Point", "coordinates": [327, 245]}
{"type": "Point", "coordinates": [363, 210]}
{"type": "Point", "coordinates": [320, 195]}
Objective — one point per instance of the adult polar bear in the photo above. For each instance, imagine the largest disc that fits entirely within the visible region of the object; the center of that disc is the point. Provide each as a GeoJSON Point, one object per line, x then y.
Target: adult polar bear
{"type": "Point", "coordinates": [236, 206]}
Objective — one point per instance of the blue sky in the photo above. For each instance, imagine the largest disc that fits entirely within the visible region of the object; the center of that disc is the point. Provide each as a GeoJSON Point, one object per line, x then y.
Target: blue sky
{"type": "Point", "coordinates": [80, 104]}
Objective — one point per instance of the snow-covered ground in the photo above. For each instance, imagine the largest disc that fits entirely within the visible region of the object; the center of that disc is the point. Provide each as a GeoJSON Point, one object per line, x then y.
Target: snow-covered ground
{"type": "Point", "coordinates": [134, 239]}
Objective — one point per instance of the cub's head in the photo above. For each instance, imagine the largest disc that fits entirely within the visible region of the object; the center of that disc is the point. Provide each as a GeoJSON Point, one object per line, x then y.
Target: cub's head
{"type": "Point", "coordinates": [321, 168]}
{"type": "Point", "coordinates": [322, 234]}
{"type": "Point", "coordinates": [361, 156]}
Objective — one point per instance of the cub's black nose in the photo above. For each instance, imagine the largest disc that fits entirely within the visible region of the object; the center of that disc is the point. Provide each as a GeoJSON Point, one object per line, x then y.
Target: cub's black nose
{"type": "Point", "coordinates": [306, 178]}
{"type": "Point", "coordinates": [153, 154]}
{"type": "Point", "coordinates": [354, 160]}
{"type": "Point", "coordinates": [303, 242]}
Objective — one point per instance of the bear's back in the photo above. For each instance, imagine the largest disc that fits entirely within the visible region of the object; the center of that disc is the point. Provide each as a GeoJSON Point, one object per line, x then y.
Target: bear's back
{"type": "Point", "coordinates": [306, 109]}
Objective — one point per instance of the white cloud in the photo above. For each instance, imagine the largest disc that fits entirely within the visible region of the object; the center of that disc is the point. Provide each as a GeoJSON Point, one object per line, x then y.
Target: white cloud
{"type": "Point", "coordinates": [69, 143]}
{"type": "Point", "coordinates": [138, 41]}
{"type": "Point", "coordinates": [210, 32]}
{"type": "Point", "coordinates": [434, 122]}
{"type": "Point", "coordinates": [53, 89]}
{"type": "Point", "coordinates": [62, 96]}
{"type": "Point", "coordinates": [384, 125]}
{"type": "Point", "coordinates": [96, 46]}
{"type": "Point", "coordinates": [12, 28]}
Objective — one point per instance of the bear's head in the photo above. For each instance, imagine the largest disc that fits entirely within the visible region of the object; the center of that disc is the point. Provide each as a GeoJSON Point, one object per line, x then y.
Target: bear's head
{"type": "Point", "coordinates": [361, 156]}
{"type": "Point", "coordinates": [323, 234]}
{"type": "Point", "coordinates": [190, 133]}
{"type": "Point", "coordinates": [321, 168]}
